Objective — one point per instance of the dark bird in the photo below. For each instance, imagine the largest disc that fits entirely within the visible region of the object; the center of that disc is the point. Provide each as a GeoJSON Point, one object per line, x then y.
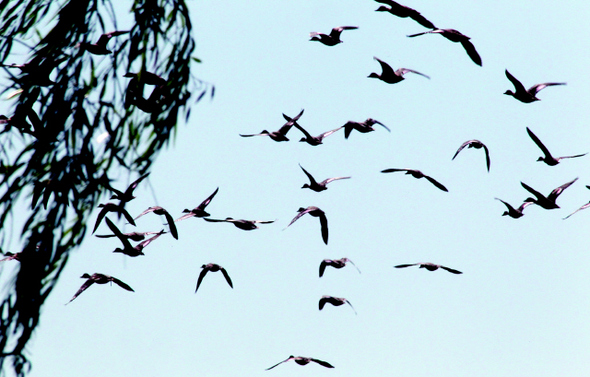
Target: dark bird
{"type": "Point", "coordinates": [198, 211]}
{"type": "Point", "coordinates": [527, 95]}
{"type": "Point", "coordinates": [303, 361]}
{"type": "Point", "coordinates": [127, 196]}
{"type": "Point", "coordinates": [213, 268]}
{"type": "Point", "coordinates": [99, 279]}
{"type": "Point", "coordinates": [549, 201]}
{"type": "Point", "coordinates": [241, 224]}
{"type": "Point", "coordinates": [133, 236]}
{"type": "Point", "coordinates": [336, 263]}
{"type": "Point", "coordinates": [314, 140]}
{"type": "Point", "coordinates": [333, 38]}
{"type": "Point", "coordinates": [314, 185]}
{"type": "Point", "coordinates": [281, 134]}
{"type": "Point", "coordinates": [417, 174]}
{"type": "Point", "coordinates": [336, 301]}
{"type": "Point", "coordinates": [512, 212]}
{"type": "Point", "coordinates": [581, 208]}
{"type": "Point", "coordinates": [135, 88]}
{"type": "Point", "coordinates": [429, 267]}
{"type": "Point", "coordinates": [403, 11]}
{"type": "Point", "coordinates": [548, 159]}
{"type": "Point", "coordinates": [315, 212]}
{"type": "Point", "coordinates": [362, 127]}
{"type": "Point", "coordinates": [100, 47]}
{"type": "Point", "coordinates": [161, 211]}
{"type": "Point", "coordinates": [112, 207]}
{"type": "Point", "coordinates": [37, 70]}
{"type": "Point", "coordinates": [128, 249]}
{"type": "Point", "coordinates": [477, 145]}
{"type": "Point", "coordinates": [389, 75]}
{"type": "Point", "coordinates": [455, 36]}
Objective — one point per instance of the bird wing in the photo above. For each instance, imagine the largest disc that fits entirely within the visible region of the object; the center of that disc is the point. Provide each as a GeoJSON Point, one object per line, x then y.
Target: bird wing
{"type": "Point", "coordinates": [133, 185]}
{"type": "Point", "coordinates": [298, 216]}
{"type": "Point", "coordinates": [307, 134]}
{"type": "Point", "coordinates": [151, 209]}
{"type": "Point", "coordinates": [577, 155]}
{"type": "Point", "coordinates": [335, 33]}
{"type": "Point", "coordinates": [149, 240]}
{"type": "Point", "coordinates": [122, 284]}
{"type": "Point", "coordinates": [227, 278]}
{"type": "Point", "coordinates": [579, 209]}
{"type": "Point", "coordinates": [118, 234]}
{"type": "Point", "coordinates": [436, 183]}
{"type": "Point", "coordinates": [214, 220]}
{"type": "Point", "coordinates": [324, 225]}
{"type": "Point", "coordinates": [537, 88]}
{"type": "Point", "coordinates": [190, 214]}
{"type": "Point", "coordinates": [328, 133]}
{"type": "Point", "coordinates": [322, 363]}
{"type": "Point", "coordinates": [290, 358]}
{"type": "Point", "coordinates": [326, 181]}
{"type": "Point", "coordinates": [393, 170]}
{"type": "Point", "coordinates": [309, 176]}
{"type": "Point", "coordinates": [510, 208]}
{"type": "Point", "coordinates": [348, 302]}
{"type": "Point", "coordinates": [461, 148]}
{"type": "Point", "coordinates": [263, 221]}
{"type": "Point", "coordinates": [416, 16]}
{"type": "Point", "coordinates": [451, 270]}
{"type": "Point", "coordinates": [86, 284]}
{"type": "Point", "coordinates": [322, 302]}
{"type": "Point", "coordinates": [171, 224]}
{"type": "Point", "coordinates": [201, 276]}
{"type": "Point", "coordinates": [556, 192]}
{"type": "Point", "coordinates": [253, 135]}
{"type": "Point", "coordinates": [532, 191]}
{"type": "Point", "coordinates": [523, 206]}
{"type": "Point", "coordinates": [417, 34]}
{"type": "Point", "coordinates": [406, 265]}
{"type": "Point", "coordinates": [206, 202]}
{"type": "Point", "coordinates": [517, 84]}
{"type": "Point", "coordinates": [485, 148]}
{"type": "Point", "coordinates": [325, 263]}
{"type": "Point", "coordinates": [539, 144]}
{"type": "Point", "coordinates": [470, 48]}
{"type": "Point", "coordinates": [386, 68]}
{"type": "Point", "coordinates": [127, 216]}
{"type": "Point", "coordinates": [406, 70]}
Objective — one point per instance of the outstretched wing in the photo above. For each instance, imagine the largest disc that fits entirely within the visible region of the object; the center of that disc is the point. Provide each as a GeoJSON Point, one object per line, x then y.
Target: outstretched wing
{"type": "Point", "coordinates": [309, 176]}
{"type": "Point", "coordinates": [322, 363]}
{"type": "Point", "coordinates": [386, 68]}
{"type": "Point", "coordinates": [537, 88]}
{"type": "Point", "coordinates": [201, 276]}
{"type": "Point", "coordinates": [324, 225]}
{"type": "Point", "coordinates": [227, 278]}
{"type": "Point", "coordinates": [206, 202]}
{"type": "Point", "coordinates": [279, 363]}
{"type": "Point", "coordinates": [470, 48]}
{"type": "Point", "coordinates": [436, 183]}
{"type": "Point", "coordinates": [555, 193]}
{"type": "Point", "coordinates": [86, 284]}
{"type": "Point", "coordinates": [122, 285]}
{"type": "Point", "coordinates": [451, 270]}
{"type": "Point", "coordinates": [539, 143]}
{"type": "Point", "coordinates": [517, 84]}
{"type": "Point", "coordinates": [403, 71]}
{"type": "Point", "coordinates": [579, 209]}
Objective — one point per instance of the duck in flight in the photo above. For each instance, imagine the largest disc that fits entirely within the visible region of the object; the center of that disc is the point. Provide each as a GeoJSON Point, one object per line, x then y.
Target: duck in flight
{"type": "Point", "coordinates": [241, 224]}
{"type": "Point", "coordinates": [527, 95]}
{"type": "Point", "coordinates": [314, 185]}
{"type": "Point", "coordinates": [548, 202]}
{"type": "Point", "coordinates": [128, 249]}
{"type": "Point", "coordinates": [331, 39]}
{"type": "Point", "coordinates": [515, 213]}
{"type": "Point", "coordinates": [314, 140]}
{"type": "Point", "coordinates": [99, 279]}
{"type": "Point", "coordinates": [457, 37]}
{"type": "Point", "coordinates": [403, 11]}
{"type": "Point", "coordinates": [213, 268]}
{"type": "Point", "coordinates": [133, 236]}
{"type": "Point", "coordinates": [336, 301]}
{"type": "Point", "coordinates": [301, 360]}
{"type": "Point", "coordinates": [389, 75]}
{"type": "Point", "coordinates": [100, 47]}
{"type": "Point", "coordinates": [417, 174]}
{"type": "Point", "coordinates": [112, 207]}
{"type": "Point", "coordinates": [315, 212]}
{"type": "Point", "coordinates": [162, 212]}
{"type": "Point", "coordinates": [127, 195]}
{"type": "Point", "coordinates": [198, 211]}
{"type": "Point", "coordinates": [548, 159]}
{"type": "Point", "coordinates": [281, 134]}
{"type": "Point", "coordinates": [336, 263]}
{"type": "Point", "coordinates": [362, 127]}
{"type": "Point", "coordinates": [429, 266]}
{"type": "Point", "coordinates": [477, 145]}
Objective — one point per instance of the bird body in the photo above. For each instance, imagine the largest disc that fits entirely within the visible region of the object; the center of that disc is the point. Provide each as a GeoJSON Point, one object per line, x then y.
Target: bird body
{"type": "Point", "coordinates": [457, 37]}
{"type": "Point", "coordinates": [314, 185]}
{"type": "Point", "coordinates": [303, 361]}
{"type": "Point", "coordinates": [526, 95]}
{"type": "Point", "coordinates": [390, 76]}
{"type": "Point", "coordinates": [198, 211]}
{"type": "Point", "coordinates": [336, 301]}
{"type": "Point", "coordinates": [99, 279]}
{"type": "Point", "coordinates": [336, 263]}
{"type": "Point", "coordinates": [331, 39]}
{"type": "Point", "coordinates": [417, 174]}
{"type": "Point", "coordinates": [547, 202]}
{"type": "Point", "coordinates": [213, 268]}
{"type": "Point", "coordinates": [477, 145]}
{"type": "Point", "coordinates": [315, 212]}
{"type": "Point", "coordinates": [362, 127]}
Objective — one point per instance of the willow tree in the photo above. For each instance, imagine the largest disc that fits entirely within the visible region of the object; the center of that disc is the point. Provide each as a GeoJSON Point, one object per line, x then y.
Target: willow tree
{"type": "Point", "coordinates": [77, 114]}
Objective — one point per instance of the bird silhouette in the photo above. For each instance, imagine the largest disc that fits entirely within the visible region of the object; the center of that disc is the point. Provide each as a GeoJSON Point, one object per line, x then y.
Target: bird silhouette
{"type": "Point", "coordinates": [112, 207]}
{"type": "Point", "coordinates": [301, 360]}
{"type": "Point", "coordinates": [417, 174]}
{"type": "Point", "coordinates": [477, 145]}
{"type": "Point", "coordinates": [162, 212]}
{"type": "Point", "coordinates": [100, 47]}
{"type": "Point", "coordinates": [128, 249]}
{"type": "Point", "coordinates": [213, 268]}
{"type": "Point", "coordinates": [403, 11]}
{"type": "Point", "coordinates": [548, 202]}
{"type": "Point", "coordinates": [512, 212]}
{"type": "Point", "coordinates": [127, 195]}
{"type": "Point", "coordinates": [429, 266]}
{"type": "Point", "coordinates": [281, 134]}
{"type": "Point", "coordinates": [331, 39]}
{"type": "Point", "coordinates": [198, 211]}
{"type": "Point", "coordinates": [362, 127]}
{"type": "Point", "coordinates": [548, 159]}
{"type": "Point", "coordinates": [336, 263]}
{"type": "Point", "coordinates": [315, 212]}
{"type": "Point", "coordinates": [527, 95]}
{"type": "Point", "coordinates": [314, 140]}
{"type": "Point", "coordinates": [389, 75]}
{"type": "Point", "coordinates": [241, 224]}
{"type": "Point", "coordinates": [99, 279]}
{"type": "Point", "coordinates": [336, 301]}
{"type": "Point", "coordinates": [314, 185]}
{"type": "Point", "coordinates": [457, 37]}
{"type": "Point", "coordinates": [133, 236]}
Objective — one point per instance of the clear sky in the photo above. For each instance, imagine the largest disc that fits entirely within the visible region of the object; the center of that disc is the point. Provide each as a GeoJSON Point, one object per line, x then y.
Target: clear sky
{"type": "Point", "coordinates": [521, 306]}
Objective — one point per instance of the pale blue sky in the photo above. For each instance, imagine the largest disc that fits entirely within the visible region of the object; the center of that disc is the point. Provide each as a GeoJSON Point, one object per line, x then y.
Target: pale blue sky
{"type": "Point", "coordinates": [521, 306]}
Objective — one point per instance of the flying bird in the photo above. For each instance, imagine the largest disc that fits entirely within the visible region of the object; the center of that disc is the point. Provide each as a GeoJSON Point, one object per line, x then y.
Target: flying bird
{"type": "Point", "coordinates": [336, 301]}
{"type": "Point", "coordinates": [336, 263]}
{"type": "Point", "coordinates": [417, 174]}
{"type": "Point", "coordinates": [403, 11]}
{"type": "Point", "coordinates": [581, 208]}
{"type": "Point", "coordinates": [548, 202]}
{"type": "Point", "coordinates": [241, 224]}
{"type": "Point", "coordinates": [281, 134]}
{"type": "Point", "coordinates": [429, 267]}
{"type": "Point", "coordinates": [456, 36]}
{"type": "Point", "coordinates": [162, 212]}
{"type": "Point", "coordinates": [331, 39]}
{"type": "Point", "coordinates": [99, 279]}
{"type": "Point", "coordinates": [112, 207]}
{"type": "Point", "coordinates": [389, 75]}
{"type": "Point", "coordinates": [314, 185]}
{"type": "Point", "coordinates": [213, 268]}
{"type": "Point", "coordinates": [314, 140]}
{"type": "Point", "coordinates": [548, 159]}
{"type": "Point", "coordinates": [303, 361]}
{"type": "Point", "coordinates": [127, 195]}
{"type": "Point", "coordinates": [527, 95]}
{"type": "Point", "coordinates": [477, 145]}
{"type": "Point", "coordinates": [133, 236]}
{"type": "Point", "coordinates": [315, 212]}
{"type": "Point", "coordinates": [100, 47]}
{"type": "Point", "coordinates": [515, 213]}
{"type": "Point", "coordinates": [362, 127]}
{"type": "Point", "coordinates": [128, 249]}
{"type": "Point", "coordinates": [198, 211]}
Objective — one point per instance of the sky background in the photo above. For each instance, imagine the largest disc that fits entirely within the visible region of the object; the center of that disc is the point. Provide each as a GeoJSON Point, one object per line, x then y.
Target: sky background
{"type": "Point", "coordinates": [521, 306]}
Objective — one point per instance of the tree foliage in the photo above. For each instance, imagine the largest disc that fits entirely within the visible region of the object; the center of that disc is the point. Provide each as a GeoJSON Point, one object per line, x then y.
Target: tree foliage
{"type": "Point", "coordinates": [75, 118]}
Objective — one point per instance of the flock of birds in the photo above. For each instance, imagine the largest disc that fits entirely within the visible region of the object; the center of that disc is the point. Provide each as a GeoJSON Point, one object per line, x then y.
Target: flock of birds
{"type": "Point", "coordinates": [134, 96]}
